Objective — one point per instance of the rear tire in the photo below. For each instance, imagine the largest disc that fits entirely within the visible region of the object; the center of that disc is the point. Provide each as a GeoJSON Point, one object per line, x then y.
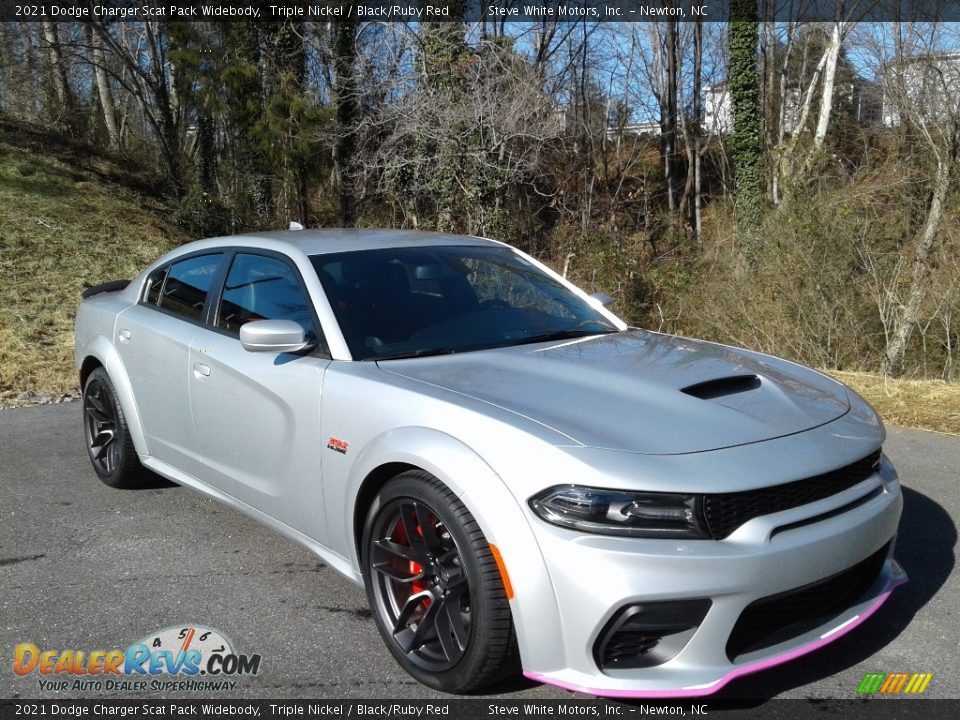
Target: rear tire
{"type": "Point", "coordinates": [107, 435]}
{"type": "Point", "coordinates": [438, 599]}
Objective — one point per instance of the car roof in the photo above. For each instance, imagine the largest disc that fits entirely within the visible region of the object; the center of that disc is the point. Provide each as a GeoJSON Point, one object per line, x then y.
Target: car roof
{"type": "Point", "coordinates": [333, 240]}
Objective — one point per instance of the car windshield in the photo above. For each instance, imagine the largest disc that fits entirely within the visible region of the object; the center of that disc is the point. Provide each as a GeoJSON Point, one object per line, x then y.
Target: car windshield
{"type": "Point", "coordinates": [412, 302]}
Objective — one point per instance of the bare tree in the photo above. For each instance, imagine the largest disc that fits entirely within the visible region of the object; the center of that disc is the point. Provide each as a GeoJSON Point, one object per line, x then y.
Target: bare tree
{"type": "Point", "coordinates": [146, 76]}
{"type": "Point", "coordinates": [58, 75]}
{"type": "Point", "coordinates": [831, 57]}
{"type": "Point", "coordinates": [658, 47]}
{"type": "Point", "coordinates": [923, 87]}
{"type": "Point", "coordinates": [344, 50]}
{"type": "Point", "coordinates": [485, 138]}
{"type": "Point", "coordinates": [668, 118]}
{"type": "Point", "coordinates": [781, 120]}
{"type": "Point", "coordinates": [22, 83]}
{"type": "Point", "coordinates": [103, 88]}
{"type": "Point", "coordinates": [697, 128]}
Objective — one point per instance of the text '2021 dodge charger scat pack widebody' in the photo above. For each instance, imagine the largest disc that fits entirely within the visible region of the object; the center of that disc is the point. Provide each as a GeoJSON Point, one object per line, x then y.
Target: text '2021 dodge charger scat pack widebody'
{"type": "Point", "coordinates": [518, 479]}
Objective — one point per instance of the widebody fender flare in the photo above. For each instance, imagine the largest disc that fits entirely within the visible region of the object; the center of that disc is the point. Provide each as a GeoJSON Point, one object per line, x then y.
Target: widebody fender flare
{"type": "Point", "coordinates": [503, 522]}
{"type": "Point", "coordinates": [104, 352]}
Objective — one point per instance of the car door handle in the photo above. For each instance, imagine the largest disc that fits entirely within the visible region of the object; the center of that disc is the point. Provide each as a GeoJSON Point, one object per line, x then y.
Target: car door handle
{"type": "Point", "coordinates": [199, 369]}
{"type": "Point", "coordinates": [123, 336]}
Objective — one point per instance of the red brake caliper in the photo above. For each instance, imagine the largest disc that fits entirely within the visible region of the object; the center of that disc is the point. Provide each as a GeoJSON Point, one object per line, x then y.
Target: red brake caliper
{"type": "Point", "coordinates": [415, 568]}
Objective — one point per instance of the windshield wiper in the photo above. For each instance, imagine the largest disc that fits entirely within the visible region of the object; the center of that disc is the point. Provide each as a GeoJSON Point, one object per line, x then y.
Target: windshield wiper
{"type": "Point", "coordinates": [545, 337]}
{"type": "Point", "coordinates": [561, 335]}
{"type": "Point", "coordinates": [422, 352]}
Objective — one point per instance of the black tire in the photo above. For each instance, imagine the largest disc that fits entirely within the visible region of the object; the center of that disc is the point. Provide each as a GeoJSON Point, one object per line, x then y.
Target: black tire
{"type": "Point", "coordinates": [107, 436]}
{"type": "Point", "coordinates": [438, 600]}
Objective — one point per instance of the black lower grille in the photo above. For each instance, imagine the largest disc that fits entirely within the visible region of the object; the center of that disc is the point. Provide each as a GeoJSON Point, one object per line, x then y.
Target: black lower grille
{"type": "Point", "coordinates": [627, 647]}
{"type": "Point", "coordinates": [777, 618]}
{"type": "Point", "coordinates": [725, 512]}
{"type": "Point", "coordinates": [648, 634]}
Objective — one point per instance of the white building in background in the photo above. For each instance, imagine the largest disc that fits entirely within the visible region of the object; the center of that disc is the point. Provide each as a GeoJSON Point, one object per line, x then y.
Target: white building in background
{"type": "Point", "coordinates": [717, 110]}
{"type": "Point", "coordinates": [929, 86]}
{"type": "Point", "coordinates": [649, 127]}
{"type": "Point", "coordinates": [860, 95]}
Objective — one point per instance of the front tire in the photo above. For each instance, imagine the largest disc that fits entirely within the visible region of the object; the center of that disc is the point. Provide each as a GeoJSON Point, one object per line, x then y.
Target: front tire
{"type": "Point", "coordinates": [107, 435]}
{"type": "Point", "coordinates": [434, 587]}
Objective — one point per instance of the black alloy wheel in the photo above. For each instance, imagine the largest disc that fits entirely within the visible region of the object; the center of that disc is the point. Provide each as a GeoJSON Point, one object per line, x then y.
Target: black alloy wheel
{"type": "Point", "coordinates": [434, 587]}
{"type": "Point", "coordinates": [107, 436]}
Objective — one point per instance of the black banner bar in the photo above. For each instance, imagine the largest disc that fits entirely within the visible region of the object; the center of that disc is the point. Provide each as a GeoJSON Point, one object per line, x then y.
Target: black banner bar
{"type": "Point", "coordinates": [473, 11]}
{"type": "Point", "coordinates": [477, 709]}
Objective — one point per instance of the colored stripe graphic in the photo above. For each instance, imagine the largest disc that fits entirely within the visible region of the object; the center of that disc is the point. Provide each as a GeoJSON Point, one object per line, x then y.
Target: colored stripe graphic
{"type": "Point", "coordinates": [871, 683]}
{"type": "Point", "coordinates": [894, 683]}
{"type": "Point", "coordinates": [918, 683]}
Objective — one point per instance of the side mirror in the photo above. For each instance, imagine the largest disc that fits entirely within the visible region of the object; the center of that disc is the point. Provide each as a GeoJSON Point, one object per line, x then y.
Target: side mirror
{"type": "Point", "coordinates": [272, 336]}
{"type": "Point", "coordinates": [601, 299]}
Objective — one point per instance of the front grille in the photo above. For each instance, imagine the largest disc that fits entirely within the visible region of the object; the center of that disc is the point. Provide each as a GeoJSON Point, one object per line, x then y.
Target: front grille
{"type": "Point", "coordinates": [725, 512]}
{"type": "Point", "coordinates": [774, 619]}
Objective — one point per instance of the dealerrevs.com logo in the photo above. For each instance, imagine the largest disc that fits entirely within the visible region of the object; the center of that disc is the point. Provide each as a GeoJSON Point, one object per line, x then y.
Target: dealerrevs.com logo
{"type": "Point", "coordinates": [894, 683]}
{"type": "Point", "coordinates": [188, 657]}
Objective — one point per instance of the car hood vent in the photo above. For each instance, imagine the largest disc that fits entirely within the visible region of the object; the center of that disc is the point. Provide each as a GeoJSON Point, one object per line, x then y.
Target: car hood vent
{"type": "Point", "coordinates": [720, 387]}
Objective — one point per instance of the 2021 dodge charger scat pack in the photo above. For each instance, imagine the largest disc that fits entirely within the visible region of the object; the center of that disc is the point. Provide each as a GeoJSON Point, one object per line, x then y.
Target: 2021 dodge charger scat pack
{"type": "Point", "coordinates": [517, 478]}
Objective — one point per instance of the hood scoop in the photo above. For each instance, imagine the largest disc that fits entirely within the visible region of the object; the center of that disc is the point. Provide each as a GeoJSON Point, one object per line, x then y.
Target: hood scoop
{"type": "Point", "coordinates": [722, 387]}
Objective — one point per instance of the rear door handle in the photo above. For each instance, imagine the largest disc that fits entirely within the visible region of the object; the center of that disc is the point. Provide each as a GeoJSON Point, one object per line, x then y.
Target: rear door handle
{"type": "Point", "coordinates": [123, 336]}
{"type": "Point", "coordinates": [199, 369]}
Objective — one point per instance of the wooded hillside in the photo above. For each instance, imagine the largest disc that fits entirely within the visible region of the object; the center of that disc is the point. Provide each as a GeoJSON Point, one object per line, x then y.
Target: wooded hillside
{"type": "Point", "coordinates": [789, 186]}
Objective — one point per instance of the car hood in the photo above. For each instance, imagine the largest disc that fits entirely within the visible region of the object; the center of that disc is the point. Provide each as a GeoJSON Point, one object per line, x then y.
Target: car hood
{"type": "Point", "coordinates": [641, 392]}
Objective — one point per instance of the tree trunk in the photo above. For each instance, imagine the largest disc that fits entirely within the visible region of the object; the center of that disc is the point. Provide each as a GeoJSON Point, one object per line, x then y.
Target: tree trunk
{"type": "Point", "coordinates": [284, 64]}
{"type": "Point", "coordinates": [832, 55]}
{"type": "Point", "coordinates": [166, 122]}
{"type": "Point", "coordinates": [103, 88]}
{"type": "Point", "coordinates": [670, 128]}
{"type": "Point", "coordinates": [4, 64]}
{"type": "Point", "coordinates": [207, 152]}
{"type": "Point", "coordinates": [59, 81]}
{"type": "Point", "coordinates": [747, 142]}
{"type": "Point", "coordinates": [804, 116]}
{"type": "Point", "coordinates": [903, 329]}
{"type": "Point", "coordinates": [345, 95]}
{"type": "Point", "coordinates": [697, 125]}
{"type": "Point", "coordinates": [686, 198]}
{"type": "Point", "coordinates": [769, 76]}
{"type": "Point", "coordinates": [443, 50]}
{"type": "Point", "coordinates": [782, 117]}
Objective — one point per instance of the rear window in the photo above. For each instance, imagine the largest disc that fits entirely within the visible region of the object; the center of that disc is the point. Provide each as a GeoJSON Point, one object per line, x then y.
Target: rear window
{"type": "Point", "coordinates": [155, 286]}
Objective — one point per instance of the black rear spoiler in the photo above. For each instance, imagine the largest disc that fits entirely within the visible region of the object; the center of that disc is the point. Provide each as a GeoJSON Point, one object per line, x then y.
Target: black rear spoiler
{"type": "Point", "coordinates": [112, 286]}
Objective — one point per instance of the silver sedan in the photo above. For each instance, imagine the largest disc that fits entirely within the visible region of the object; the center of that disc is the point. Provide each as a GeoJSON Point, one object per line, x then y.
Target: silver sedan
{"type": "Point", "coordinates": [518, 479]}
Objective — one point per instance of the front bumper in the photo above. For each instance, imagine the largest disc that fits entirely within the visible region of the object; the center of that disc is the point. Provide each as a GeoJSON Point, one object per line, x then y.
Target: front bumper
{"type": "Point", "coordinates": [594, 576]}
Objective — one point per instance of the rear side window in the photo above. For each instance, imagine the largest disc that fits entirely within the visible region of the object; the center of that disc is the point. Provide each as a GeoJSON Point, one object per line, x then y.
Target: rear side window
{"type": "Point", "coordinates": [155, 286]}
{"type": "Point", "coordinates": [188, 282]}
{"type": "Point", "coordinates": [262, 288]}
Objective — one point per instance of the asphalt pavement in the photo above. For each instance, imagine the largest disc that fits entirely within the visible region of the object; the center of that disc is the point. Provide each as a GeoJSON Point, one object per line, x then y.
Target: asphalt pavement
{"type": "Point", "coordinates": [83, 566]}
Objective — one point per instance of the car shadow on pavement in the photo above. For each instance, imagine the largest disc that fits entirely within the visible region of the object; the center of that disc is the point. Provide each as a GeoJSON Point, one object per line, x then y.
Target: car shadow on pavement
{"type": "Point", "coordinates": [925, 549]}
{"type": "Point", "coordinates": [152, 481]}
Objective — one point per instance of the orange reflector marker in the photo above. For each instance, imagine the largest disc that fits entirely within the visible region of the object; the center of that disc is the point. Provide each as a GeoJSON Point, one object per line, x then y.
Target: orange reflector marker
{"type": "Point", "coordinates": [507, 586]}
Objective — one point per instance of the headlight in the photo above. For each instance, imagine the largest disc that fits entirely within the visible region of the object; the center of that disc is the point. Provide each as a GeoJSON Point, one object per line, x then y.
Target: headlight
{"type": "Point", "coordinates": [618, 512]}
